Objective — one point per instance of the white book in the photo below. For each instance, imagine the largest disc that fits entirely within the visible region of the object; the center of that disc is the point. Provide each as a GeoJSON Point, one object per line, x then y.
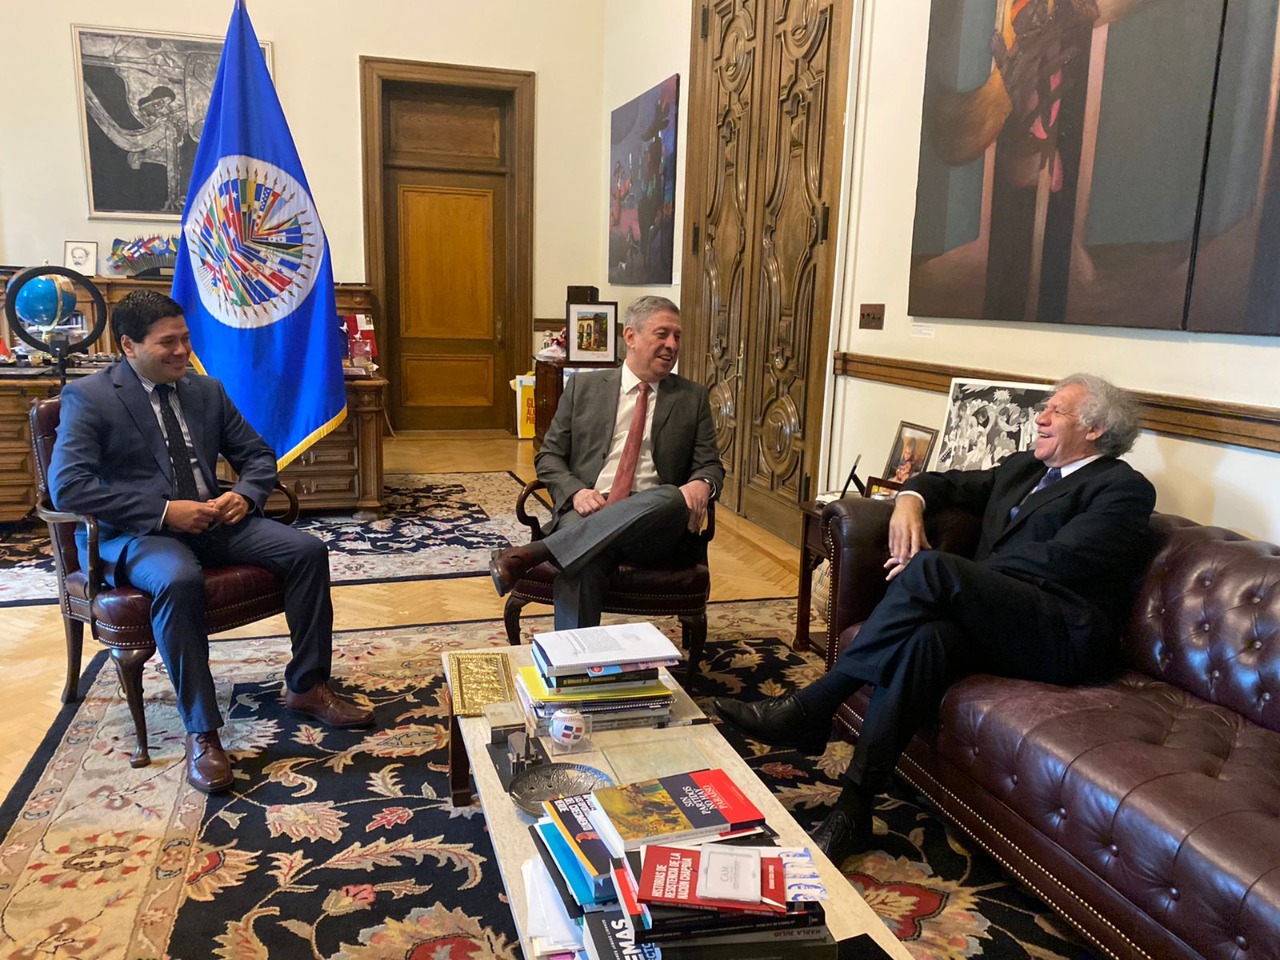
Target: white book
{"type": "Point", "coordinates": [600, 646]}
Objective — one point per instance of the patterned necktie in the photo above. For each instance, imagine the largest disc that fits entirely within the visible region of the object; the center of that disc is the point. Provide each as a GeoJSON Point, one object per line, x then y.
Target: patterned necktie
{"type": "Point", "coordinates": [1051, 476]}
{"type": "Point", "coordinates": [184, 480]}
{"type": "Point", "coordinates": [626, 473]}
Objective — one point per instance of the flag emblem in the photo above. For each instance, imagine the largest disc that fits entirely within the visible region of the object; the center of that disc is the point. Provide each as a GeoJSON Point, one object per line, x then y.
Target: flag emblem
{"type": "Point", "coordinates": [254, 242]}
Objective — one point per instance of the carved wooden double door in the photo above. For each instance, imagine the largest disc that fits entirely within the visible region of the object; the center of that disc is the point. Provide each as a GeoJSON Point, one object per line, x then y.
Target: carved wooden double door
{"type": "Point", "coordinates": [766, 131]}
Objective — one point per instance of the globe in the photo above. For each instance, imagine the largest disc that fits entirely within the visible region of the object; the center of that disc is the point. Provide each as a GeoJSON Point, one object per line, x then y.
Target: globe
{"type": "Point", "coordinates": [46, 301]}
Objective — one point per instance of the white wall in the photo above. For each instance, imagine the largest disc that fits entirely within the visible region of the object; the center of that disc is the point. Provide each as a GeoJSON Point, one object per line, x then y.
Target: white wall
{"type": "Point", "coordinates": [1232, 487]}
{"type": "Point", "coordinates": [317, 45]}
{"type": "Point", "coordinates": [644, 43]}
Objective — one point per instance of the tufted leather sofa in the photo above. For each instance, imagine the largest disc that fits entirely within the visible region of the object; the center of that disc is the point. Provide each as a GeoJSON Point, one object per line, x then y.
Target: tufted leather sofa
{"type": "Point", "coordinates": [1146, 809]}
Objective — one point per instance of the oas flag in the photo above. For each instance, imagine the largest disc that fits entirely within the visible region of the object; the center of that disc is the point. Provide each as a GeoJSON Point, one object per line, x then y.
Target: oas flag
{"type": "Point", "coordinates": [253, 271]}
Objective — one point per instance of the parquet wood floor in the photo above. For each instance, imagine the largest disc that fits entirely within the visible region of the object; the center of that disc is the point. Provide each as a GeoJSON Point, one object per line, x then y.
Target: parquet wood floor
{"type": "Point", "coordinates": [746, 563]}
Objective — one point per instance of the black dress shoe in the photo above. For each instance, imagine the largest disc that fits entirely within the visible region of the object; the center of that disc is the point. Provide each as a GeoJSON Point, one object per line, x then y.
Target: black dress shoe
{"type": "Point", "coordinates": [844, 833]}
{"type": "Point", "coordinates": [208, 768]}
{"type": "Point", "coordinates": [781, 721]}
{"type": "Point", "coordinates": [509, 564]}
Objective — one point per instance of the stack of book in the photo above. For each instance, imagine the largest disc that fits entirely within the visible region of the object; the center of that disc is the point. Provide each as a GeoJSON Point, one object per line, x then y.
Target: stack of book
{"type": "Point", "coordinates": [662, 869]}
{"type": "Point", "coordinates": [609, 674]}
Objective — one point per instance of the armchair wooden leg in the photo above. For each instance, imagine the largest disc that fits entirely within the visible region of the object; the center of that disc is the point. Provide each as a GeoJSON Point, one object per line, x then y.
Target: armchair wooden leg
{"type": "Point", "coordinates": [129, 669]}
{"type": "Point", "coordinates": [73, 629]}
{"type": "Point", "coordinates": [511, 618]}
{"type": "Point", "coordinates": [693, 636]}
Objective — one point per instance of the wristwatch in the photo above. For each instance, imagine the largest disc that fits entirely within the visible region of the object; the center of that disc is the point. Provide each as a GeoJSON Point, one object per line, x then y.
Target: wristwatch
{"type": "Point", "coordinates": [710, 483]}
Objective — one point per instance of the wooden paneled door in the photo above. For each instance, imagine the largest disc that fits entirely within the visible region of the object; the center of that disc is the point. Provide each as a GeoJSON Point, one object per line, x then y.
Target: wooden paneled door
{"type": "Point", "coordinates": [766, 128]}
{"type": "Point", "coordinates": [448, 155]}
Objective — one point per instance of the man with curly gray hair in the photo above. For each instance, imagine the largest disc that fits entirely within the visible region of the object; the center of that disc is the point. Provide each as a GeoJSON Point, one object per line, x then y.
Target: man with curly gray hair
{"type": "Point", "coordinates": [1044, 597]}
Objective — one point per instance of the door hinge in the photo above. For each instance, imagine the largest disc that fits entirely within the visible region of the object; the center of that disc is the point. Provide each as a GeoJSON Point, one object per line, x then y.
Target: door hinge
{"type": "Point", "coordinates": [706, 22]}
{"type": "Point", "coordinates": [824, 223]}
{"type": "Point", "coordinates": [697, 236]}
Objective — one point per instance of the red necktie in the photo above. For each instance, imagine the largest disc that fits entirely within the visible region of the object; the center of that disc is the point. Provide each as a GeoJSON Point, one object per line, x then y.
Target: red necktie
{"type": "Point", "coordinates": [626, 473]}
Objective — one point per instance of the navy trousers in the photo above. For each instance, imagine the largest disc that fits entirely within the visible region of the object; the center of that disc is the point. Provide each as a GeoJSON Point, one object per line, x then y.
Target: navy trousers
{"type": "Point", "coordinates": [168, 565]}
{"type": "Point", "coordinates": [646, 527]}
{"type": "Point", "coordinates": [944, 616]}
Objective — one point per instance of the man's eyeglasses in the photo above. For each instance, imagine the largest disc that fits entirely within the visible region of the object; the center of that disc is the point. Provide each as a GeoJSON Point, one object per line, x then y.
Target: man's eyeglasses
{"type": "Point", "coordinates": [1055, 411]}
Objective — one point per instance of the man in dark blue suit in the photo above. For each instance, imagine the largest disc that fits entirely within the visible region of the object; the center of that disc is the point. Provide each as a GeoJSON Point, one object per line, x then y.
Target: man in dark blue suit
{"type": "Point", "coordinates": [1045, 597]}
{"type": "Point", "coordinates": [137, 447]}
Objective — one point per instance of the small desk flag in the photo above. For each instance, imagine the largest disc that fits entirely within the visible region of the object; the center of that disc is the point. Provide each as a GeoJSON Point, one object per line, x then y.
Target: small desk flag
{"type": "Point", "coordinates": [253, 271]}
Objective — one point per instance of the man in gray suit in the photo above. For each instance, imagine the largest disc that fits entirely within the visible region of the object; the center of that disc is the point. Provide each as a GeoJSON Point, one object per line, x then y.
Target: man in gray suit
{"type": "Point", "coordinates": [631, 461]}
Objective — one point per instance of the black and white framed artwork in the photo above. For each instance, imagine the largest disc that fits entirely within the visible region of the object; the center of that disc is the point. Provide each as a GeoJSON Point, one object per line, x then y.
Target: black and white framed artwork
{"type": "Point", "coordinates": [987, 420]}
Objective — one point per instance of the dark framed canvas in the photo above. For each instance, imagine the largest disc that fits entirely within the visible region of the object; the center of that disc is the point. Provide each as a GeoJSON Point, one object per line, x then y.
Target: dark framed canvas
{"type": "Point", "coordinates": [987, 420]}
{"type": "Point", "coordinates": [1062, 159]}
{"type": "Point", "coordinates": [143, 98]}
{"type": "Point", "coordinates": [910, 453]}
{"type": "Point", "coordinates": [642, 186]}
{"type": "Point", "coordinates": [592, 331]}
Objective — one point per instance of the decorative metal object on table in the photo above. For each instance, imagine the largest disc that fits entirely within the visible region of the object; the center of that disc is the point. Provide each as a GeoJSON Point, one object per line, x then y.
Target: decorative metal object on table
{"type": "Point", "coordinates": [546, 781]}
{"type": "Point", "coordinates": [478, 679]}
{"type": "Point", "coordinates": [144, 257]}
{"type": "Point", "coordinates": [42, 307]}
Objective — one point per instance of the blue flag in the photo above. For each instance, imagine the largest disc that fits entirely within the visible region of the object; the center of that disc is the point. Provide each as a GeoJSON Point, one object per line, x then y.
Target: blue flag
{"type": "Point", "coordinates": [253, 271]}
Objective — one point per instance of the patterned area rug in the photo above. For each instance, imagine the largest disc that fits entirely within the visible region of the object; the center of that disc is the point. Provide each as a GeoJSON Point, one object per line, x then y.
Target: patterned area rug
{"type": "Point", "coordinates": [344, 846]}
{"type": "Point", "coordinates": [437, 525]}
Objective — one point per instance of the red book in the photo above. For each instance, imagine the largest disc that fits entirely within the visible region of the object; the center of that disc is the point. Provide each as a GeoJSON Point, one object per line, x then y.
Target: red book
{"type": "Point", "coordinates": [669, 876]}
{"type": "Point", "coordinates": [677, 807]}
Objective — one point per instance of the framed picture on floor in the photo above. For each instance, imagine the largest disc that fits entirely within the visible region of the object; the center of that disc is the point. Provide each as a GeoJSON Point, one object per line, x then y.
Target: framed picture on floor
{"type": "Point", "coordinates": [592, 331]}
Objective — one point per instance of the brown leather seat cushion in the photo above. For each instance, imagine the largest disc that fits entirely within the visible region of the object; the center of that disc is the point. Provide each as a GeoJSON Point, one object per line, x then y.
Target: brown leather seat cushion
{"type": "Point", "coordinates": [234, 595]}
{"type": "Point", "coordinates": [1169, 798]}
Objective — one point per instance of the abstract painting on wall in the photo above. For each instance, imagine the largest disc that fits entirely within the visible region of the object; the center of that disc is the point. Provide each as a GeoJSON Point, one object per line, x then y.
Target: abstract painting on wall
{"type": "Point", "coordinates": [1063, 174]}
{"type": "Point", "coordinates": [642, 186]}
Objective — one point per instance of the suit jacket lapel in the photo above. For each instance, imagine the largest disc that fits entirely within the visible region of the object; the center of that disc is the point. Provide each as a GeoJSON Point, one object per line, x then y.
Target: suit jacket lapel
{"type": "Point", "coordinates": [668, 400]}
{"type": "Point", "coordinates": [1037, 500]}
{"type": "Point", "coordinates": [134, 397]}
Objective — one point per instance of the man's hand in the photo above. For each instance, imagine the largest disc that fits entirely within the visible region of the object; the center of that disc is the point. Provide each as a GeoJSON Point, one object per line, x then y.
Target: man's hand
{"type": "Point", "coordinates": [696, 494]}
{"type": "Point", "coordinates": [232, 507]}
{"type": "Point", "coordinates": [191, 516]}
{"type": "Point", "coordinates": [587, 501]}
{"type": "Point", "coordinates": [906, 534]}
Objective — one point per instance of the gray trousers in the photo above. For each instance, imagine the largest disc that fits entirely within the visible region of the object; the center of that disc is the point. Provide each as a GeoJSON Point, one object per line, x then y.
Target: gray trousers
{"type": "Point", "coordinates": [646, 527]}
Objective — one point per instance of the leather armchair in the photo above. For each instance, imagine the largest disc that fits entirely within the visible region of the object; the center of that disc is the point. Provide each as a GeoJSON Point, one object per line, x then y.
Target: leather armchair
{"type": "Point", "coordinates": [639, 589]}
{"type": "Point", "coordinates": [120, 617]}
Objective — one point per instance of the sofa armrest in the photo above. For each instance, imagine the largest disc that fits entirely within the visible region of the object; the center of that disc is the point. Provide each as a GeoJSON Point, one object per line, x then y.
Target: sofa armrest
{"type": "Point", "coordinates": [855, 533]}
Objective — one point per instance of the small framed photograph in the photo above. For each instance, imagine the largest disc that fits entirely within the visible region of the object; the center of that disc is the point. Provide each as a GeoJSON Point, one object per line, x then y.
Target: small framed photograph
{"type": "Point", "coordinates": [910, 452]}
{"type": "Point", "coordinates": [879, 488]}
{"type": "Point", "coordinates": [80, 256]}
{"type": "Point", "coordinates": [592, 331]}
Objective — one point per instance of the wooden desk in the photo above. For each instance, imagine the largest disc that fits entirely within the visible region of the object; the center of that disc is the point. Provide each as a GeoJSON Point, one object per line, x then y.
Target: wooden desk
{"type": "Point", "coordinates": [812, 552]}
{"type": "Point", "coordinates": [341, 472]}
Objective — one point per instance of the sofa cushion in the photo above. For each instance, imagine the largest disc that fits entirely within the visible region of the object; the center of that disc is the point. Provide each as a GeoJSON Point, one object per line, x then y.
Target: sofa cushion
{"type": "Point", "coordinates": [1173, 801]}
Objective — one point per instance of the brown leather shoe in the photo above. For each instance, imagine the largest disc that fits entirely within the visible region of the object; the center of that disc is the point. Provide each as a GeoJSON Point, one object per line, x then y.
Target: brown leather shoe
{"type": "Point", "coordinates": [509, 564]}
{"type": "Point", "coordinates": [321, 703]}
{"type": "Point", "coordinates": [208, 769]}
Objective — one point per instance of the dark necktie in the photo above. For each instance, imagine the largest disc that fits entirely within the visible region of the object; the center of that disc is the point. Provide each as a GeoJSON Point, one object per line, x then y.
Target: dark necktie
{"type": "Point", "coordinates": [184, 481]}
{"type": "Point", "coordinates": [626, 473]}
{"type": "Point", "coordinates": [1051, 476]}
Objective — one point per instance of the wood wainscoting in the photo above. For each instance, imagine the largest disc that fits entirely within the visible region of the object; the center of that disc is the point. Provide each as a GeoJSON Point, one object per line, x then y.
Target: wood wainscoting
{"type": "Point", "coordinates": [1188, 417]}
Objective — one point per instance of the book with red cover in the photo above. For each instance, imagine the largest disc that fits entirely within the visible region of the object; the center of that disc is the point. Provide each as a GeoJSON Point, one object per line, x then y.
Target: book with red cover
{"type": "Point", "coordinates": [670, 875]}
{"type": "Point", "coordinates": [678, 807]}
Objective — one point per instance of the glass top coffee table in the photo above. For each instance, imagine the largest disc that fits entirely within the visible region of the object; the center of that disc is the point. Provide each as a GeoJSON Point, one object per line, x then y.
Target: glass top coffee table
{"type": "Point", "coordinates": [689, 742]}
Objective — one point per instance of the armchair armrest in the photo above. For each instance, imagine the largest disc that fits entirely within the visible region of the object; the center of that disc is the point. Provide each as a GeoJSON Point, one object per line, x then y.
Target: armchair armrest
{"type": "Point", "coordinates": [94, 574]}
